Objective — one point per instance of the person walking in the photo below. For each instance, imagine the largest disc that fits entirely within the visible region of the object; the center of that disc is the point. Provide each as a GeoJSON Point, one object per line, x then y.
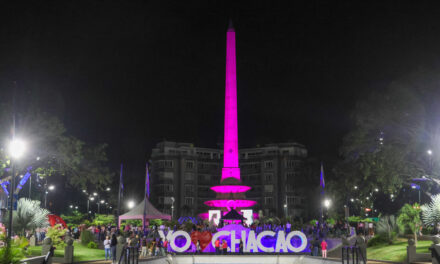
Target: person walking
{"type": "Point", "coordinates": [225, 247]}
{"type": "Point", "coordinates": [107, 243]}
{"type": "Point", "coordinates": [324, 248]}
{"type": "Point", "coordinates": [217, 246]}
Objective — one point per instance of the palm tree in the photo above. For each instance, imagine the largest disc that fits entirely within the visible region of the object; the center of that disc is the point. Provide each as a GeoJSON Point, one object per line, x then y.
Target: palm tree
{"type": "Point", "coordinates": [29, 216]}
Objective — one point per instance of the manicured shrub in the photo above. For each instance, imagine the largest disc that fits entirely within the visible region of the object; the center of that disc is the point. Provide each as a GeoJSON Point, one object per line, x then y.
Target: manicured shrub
{"type": "Point", "coordinates": [92, 244]}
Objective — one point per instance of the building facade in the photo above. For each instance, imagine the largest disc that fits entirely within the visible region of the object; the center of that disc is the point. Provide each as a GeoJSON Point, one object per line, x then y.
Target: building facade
{"type": "Point", "coordinates": [182, 174]}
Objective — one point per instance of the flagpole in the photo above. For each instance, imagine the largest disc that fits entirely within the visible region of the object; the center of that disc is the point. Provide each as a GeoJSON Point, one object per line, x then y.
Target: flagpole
{"type": "Point", "coordinates": [322, 185]}
{"type": "Point", "coordinates": [146, 196]}
{"type": "Point", "coordinates": [119, 195]}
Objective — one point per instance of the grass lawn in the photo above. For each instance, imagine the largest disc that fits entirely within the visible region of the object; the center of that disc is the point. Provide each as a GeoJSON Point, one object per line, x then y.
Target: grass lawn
{"type": "Point", "coordinates": [397, 251]}
{"type": "Point", "coordinates": [80, 252]}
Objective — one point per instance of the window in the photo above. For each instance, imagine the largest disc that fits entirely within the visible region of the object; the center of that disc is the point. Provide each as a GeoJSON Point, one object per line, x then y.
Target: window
{"type": "Point", "coordinates": [189, 164]}
{"type": "Point", "coordinates": [268, 200]}
{"type": "Point", "coordinates": [290, 175]}
{"type": "Point", "coordinates": [189, 189]}
{"type": "Point", "coordinates": [189, 200]}
{"type": "Point", "coordinates": [289, 188]}
{"type": "Point", "coordinates": [168, 187]}
{"type": "Point", "coordinates": [290, 164]}
{"type": "Point", "coordinates": [166, 175]}
{"type": "Point", "coordinates": [268, 188]}
{"type": "Point", "coordinates": [168, 200]}
{"type": "Point", "coordinates": [189, 176]}
{"type": "Point", "coordinates": [290, 200]}
{"type": "Point", "coordinates": [168, 164]}
{"type": "Point", "coordinates": [268, 177]}
{"type": "Point", "coordinates": [268, 164]}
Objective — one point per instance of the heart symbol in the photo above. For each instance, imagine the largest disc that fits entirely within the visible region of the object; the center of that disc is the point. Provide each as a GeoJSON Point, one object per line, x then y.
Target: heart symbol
{"type": "Point", "coordinates": [204, 237]}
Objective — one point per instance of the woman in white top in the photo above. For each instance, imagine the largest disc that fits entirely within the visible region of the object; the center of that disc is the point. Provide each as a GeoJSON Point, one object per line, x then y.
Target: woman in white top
{"type": "Point", "coordinates": [107, 243]}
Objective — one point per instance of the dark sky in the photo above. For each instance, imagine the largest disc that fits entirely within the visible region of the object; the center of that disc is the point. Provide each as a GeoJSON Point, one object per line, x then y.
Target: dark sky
{"type": "Point", "coordinates": [132, 73]}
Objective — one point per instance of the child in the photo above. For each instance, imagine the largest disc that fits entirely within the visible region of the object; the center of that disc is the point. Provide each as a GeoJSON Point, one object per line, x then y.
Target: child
{"type": "Point", "coordinates": [324, 248]}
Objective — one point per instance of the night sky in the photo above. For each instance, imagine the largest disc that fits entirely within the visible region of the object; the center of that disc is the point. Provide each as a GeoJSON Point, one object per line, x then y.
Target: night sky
{"type": "Point", "coordinates": [133, 73]}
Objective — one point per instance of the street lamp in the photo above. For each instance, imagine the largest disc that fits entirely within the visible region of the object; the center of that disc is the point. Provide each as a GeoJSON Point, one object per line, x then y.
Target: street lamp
{"type": "Point", "coordinates": [16, 149]}
{"type": "Point", "coordinates": [108, 189]}
{"type": "Point", "coordinates": [88, 203]}
{"type": "Point", "coordinates": [48, 188]}
{"type": "Point", "coordinates": [95, 194]}
{"type": "Point", "coordinates": [429, 152]}
{"type": "Point", "coordinates": [327, 203]}
{"type": "Point", "coordinates": [130, 204]}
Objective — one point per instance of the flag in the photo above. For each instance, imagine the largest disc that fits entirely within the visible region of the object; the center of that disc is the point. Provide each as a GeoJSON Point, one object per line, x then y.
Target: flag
{"type": "Point", "coordinates": [147, 182]}
{"type": "Point", "coordinates": [321, 180]}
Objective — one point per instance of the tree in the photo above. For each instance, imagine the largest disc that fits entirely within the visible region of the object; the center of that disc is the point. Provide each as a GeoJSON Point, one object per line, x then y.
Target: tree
{"type": "Point", "coordinates": [431, 211]}
{"type": "Point", "coordinates": [409, 217]}
{"type": "Point", "coordinates": [388, 227]}
{"type": "Point", "coordinates": [393, 129]}
{"type": "Point", "coordinates": [29, 216]}
{"type": "Point", "coordinates": [53, 152]}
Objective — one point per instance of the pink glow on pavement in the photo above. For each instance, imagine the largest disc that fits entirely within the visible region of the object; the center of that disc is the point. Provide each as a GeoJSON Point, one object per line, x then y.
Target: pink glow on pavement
{"type": "Point", "coordinates": [230, 188]}
{"type": "Point", "coordinates": [231, 203]}
{"type": "Point", "coordinates": [230, 152]}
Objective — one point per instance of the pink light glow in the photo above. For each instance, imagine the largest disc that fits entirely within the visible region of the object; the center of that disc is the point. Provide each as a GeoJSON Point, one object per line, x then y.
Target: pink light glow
{"type": "Point", "coordinates": [231, 203]}
{"type": "Point", "coordinates": [230, 188]}
{"type": "Point", "coordinates": [230, 152]}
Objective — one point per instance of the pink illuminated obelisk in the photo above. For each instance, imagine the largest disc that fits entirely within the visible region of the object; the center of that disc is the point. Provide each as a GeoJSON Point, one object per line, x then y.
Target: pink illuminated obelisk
{"type": "Point", "coordinates": [230, 153]}
{"type": "Point", "coordinates": [230, 192]}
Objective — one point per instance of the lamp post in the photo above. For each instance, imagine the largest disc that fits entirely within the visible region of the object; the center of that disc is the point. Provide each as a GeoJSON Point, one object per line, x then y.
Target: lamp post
{"type": "Point", "coordinates": [48, 188]}
{"type": "Point", "coordinates": [172, 208]}
{"type": "Point", "coordinates": [88, 203]}
{"type": "Point", "coordinates": [327, 203]}
{"type": "Point", "coordinates": [16, 150]}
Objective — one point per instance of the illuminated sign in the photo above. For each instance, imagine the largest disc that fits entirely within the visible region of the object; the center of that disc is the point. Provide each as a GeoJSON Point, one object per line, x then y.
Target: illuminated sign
{"type": "Point", "coordinates": [266, 241]}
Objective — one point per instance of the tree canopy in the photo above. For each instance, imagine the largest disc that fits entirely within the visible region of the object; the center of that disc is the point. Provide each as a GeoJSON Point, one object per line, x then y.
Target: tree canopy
{"type": "Point", "coordinates": [392, 131]}
{"type": "Point", "coordinates": [52, 151]}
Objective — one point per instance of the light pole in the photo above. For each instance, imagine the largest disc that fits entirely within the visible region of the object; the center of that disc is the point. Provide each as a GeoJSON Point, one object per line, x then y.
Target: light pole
{"type": "Point", "coordinates": [327, 203]}
{"type": "Point", "coordinates": [172, 208]}
{"type": "Point", "coordinates": [48, 188]}
{"type": "Point", "coordinates": [16, 150]}
{"type": "Point", "coordinates": [88, 203]}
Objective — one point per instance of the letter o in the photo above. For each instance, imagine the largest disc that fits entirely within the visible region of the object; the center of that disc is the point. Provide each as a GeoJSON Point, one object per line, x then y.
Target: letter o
{"type": "Point", "coordinates": [173, 241]}
{"type": "Point", "coordinates": [303, 241]}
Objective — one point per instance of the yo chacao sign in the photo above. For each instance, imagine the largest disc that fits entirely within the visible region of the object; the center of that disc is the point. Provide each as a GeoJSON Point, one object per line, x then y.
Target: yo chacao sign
{"type": "Point", "coordinates": [266, 241]}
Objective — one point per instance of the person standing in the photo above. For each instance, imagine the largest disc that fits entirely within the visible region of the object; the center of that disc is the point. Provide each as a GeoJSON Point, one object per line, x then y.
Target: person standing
{"type": "Point", "coordinates": [113, 244]}
{"type": "Point", "coordinates": [198, 249]}
{"type": "Point", "coordinates": [225, 247]}
{"type": "Point", "coordinates": [107, 243]}
{"type": "Point", "coordinates": [165, 246]}
{"type": "Point", "coordinates": [217, 246]}
{"type": "Point", "coordinates": [324, 248]}
{"type": "Point", "coordinates": [315, 247]}
{"type": "Point", "coordinates": [240, 248]}
{"type": "Point", "coordinates": [144, 246]}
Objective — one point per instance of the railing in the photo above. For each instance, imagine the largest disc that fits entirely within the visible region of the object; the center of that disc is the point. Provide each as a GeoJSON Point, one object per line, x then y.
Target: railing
{"type": "Point", "coordinates": [129, 255]}
{"type": "Point", "coordinates": [355, 253]}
